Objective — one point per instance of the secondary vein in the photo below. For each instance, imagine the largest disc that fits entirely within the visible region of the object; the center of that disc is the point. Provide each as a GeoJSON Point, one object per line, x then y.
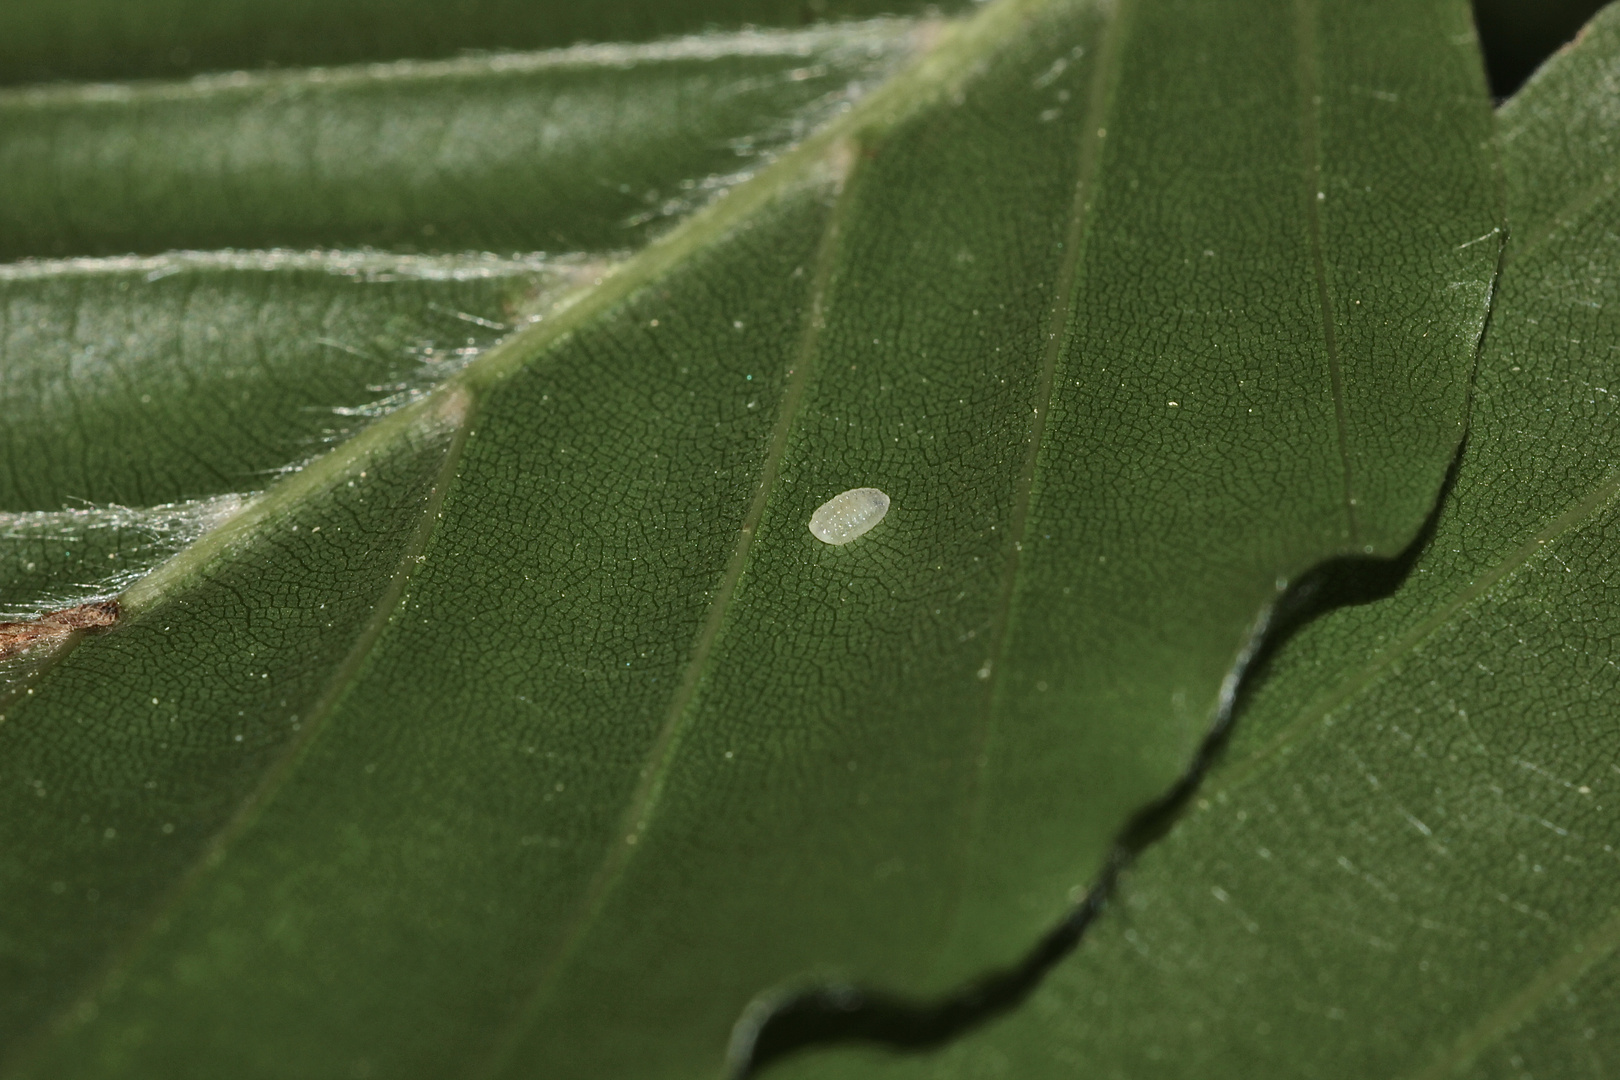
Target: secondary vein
{"type": "Point", "coordinates": [1310, 95]}
{"type": "Point", "coordinates": [1352, 684]}
{"type": "Point", "coordinates": [1567, 969]}
{"type": "Point", "coordinates": [643, 803]}
{"type": "Point", "coordinates": [453, 410]}
{"type": "Point", "coordinates": [788, 44]}
{"type": "Point", "coordinates": [1099, 105]}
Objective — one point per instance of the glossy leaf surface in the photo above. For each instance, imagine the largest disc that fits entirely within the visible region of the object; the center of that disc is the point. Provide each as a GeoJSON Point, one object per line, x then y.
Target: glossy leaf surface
{"type": "Point", "coordinates": [529, 731]}
{"type": "Point", "coordinates": [1407, 864]}
{"type": "Point", "coordinates": [96, 40]}
{"type": "Point", "coordinates": [225, 369]}
{"type": "Point", "coordinates": [558, 151]}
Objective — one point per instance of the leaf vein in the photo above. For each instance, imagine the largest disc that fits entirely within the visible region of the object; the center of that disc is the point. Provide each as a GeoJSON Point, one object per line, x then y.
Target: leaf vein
{"type": "Point", "coordinates": [1310, 94]}
{"type": "Point", "coordinates": [1571, 213]}
{"type": "Point", "coordinates": [1568, 969]}
{"type": "Point", "coordinates": [643, 802]}
{"type": "Point", "coordinates": [1099, 105]}
{"type": "Point", "coordinates": [1354, 683]}
{"type": "Point", "coordinates": [458, 407]}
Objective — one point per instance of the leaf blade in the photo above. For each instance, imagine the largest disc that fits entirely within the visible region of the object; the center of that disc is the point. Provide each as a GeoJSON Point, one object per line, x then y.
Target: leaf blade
{"type": "Point", "coordinates": [503, 153]}
{"type": "Point", "coordinates": [1404, 867]}
{"type": "Point", "coordinates": [822, 657]}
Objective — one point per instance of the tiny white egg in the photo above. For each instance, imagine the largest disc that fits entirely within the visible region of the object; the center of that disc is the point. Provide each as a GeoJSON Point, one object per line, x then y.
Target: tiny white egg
{"type": "Point", "coordinates": [848, 515]}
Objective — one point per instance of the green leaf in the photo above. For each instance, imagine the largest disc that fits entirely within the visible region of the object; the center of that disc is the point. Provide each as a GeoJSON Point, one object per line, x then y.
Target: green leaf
{"type": "Point", "coordinates": [529, 731]}
{"type": "Point", "coordinates": [113, 39]}
{"type": "Point", "coordinates": [1406, 865]}
{"type": "Point", "coordinates": [225, 369]}
{"type": "Point", "coordinates": [557, 151]}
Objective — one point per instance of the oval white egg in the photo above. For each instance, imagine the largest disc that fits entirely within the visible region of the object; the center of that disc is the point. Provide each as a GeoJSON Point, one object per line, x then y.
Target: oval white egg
{"type": "Point", "coordinates": [848, 515]}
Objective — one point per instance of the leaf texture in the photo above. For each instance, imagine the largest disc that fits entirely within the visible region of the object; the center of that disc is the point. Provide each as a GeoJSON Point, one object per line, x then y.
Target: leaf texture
{"type": "Point", "coordinates": [226, 369]}
{"type": "Point", "coordinates": [558, 151]}
{"type": "Point", "coordinates": [99, 40]}
{"type": "Point", "coordinates": [1406, 865]}
{"type": "Point", "coordinates": [529, 731]}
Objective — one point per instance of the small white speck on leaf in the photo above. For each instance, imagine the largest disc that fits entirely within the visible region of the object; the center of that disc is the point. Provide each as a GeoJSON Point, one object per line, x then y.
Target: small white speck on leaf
{"type": "Point", "coordinates": [848, 515]}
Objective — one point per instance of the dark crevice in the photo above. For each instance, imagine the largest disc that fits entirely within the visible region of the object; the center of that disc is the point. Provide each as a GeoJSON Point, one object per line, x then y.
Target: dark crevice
{"type": "Point", "coordinates": [1517, 35]}
{"type": "Point", "coordinates": [830, 1014]}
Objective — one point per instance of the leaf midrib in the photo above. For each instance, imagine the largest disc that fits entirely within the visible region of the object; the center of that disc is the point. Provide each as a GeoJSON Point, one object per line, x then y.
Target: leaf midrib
{"type": "Point", "coordinates": [938, 67]}
{"type": "Point", "coordinates": [456, 410]}
{"type": "Point", "coordinates": [935, 71]}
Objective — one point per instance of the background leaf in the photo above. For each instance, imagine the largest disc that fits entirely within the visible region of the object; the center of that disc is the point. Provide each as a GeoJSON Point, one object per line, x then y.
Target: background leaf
{"type": "Point", "coordinates": [528, 731]}
{"type": "Point", "coordinates": [107, 39]}
{"type": "Point", "coordinates": [560, 151]}
{"type": "Point", "coordinates": [1406, 865]}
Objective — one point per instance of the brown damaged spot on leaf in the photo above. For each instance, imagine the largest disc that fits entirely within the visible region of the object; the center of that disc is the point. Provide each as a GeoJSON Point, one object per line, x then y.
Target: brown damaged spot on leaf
{"type": "Point", "coordinates": [54, 626]}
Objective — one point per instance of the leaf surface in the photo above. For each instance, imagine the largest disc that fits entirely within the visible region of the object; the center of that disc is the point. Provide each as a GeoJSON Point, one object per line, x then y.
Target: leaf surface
{"type": "Point", "coordinates": [225, 369]}
{"type": "Point", "coordinates": [562, 151]}
{"type": "Point", "coordinates": [530, 732]}
{"type": "Point", "coordinates": [98, 40]}
{"type": "Point", "coordinates": [1406, 865]}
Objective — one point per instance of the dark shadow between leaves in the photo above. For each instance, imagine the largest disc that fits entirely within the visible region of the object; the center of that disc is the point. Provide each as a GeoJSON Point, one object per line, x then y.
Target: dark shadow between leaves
{"type": "Point", "coordinates": [796, 1019]}
{"type": "Point", "coordinates": [1517, 36]}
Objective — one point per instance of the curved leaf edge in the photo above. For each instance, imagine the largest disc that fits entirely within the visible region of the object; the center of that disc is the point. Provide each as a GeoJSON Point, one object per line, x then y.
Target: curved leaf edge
{"type": "Point", "coordinates": [800, 1017]}
{"type": "Point", "coordinates": [784, 1020]}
